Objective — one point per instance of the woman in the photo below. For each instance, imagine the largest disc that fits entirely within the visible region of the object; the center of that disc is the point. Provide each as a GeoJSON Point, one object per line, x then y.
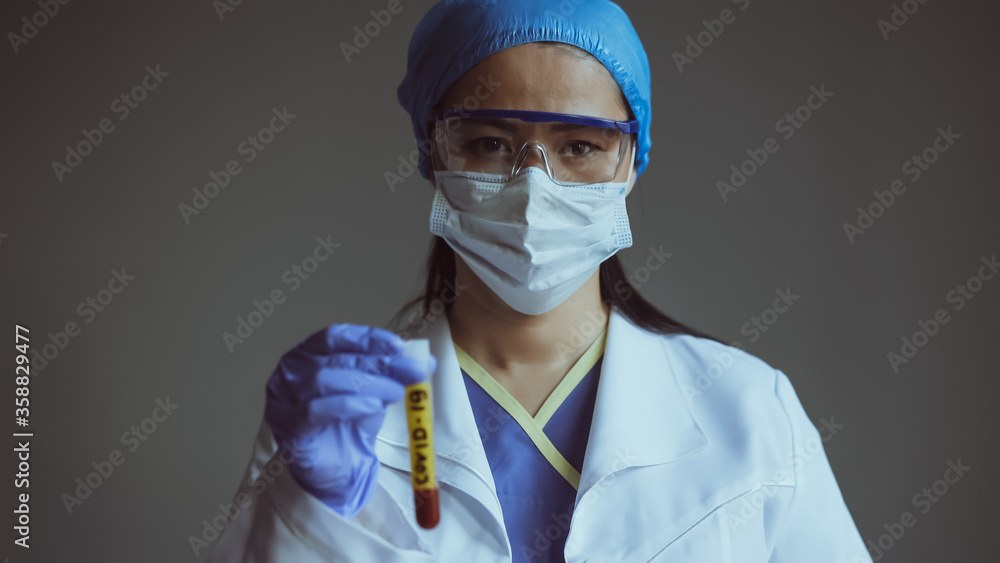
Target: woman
{"type": "Point", "coordinates": [572, 422]}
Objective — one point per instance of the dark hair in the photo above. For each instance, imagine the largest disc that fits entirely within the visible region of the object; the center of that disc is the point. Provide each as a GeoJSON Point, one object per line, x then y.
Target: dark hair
{"type": "Point", "coordinates": [616, 290]}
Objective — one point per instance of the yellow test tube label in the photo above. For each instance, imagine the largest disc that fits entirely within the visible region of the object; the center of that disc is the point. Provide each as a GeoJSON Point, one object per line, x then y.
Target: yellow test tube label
{"type": "Point", "coordinates": [420, 421]}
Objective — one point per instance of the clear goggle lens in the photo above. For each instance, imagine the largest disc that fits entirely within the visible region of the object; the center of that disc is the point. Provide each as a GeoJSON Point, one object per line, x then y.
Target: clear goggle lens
{"type": "Point", "coordinates": [570, 153]}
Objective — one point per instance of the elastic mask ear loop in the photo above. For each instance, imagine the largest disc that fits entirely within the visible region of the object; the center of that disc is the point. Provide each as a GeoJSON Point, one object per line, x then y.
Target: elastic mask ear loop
{"type": "Point", "coordinates": [631, 165]}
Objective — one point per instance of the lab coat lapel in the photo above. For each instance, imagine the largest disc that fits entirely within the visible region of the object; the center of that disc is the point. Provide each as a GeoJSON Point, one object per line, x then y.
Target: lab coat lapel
{"type": "Point", "coordinates": [641, 418]}
{"type": "Point", "coordinates": [641, 415]}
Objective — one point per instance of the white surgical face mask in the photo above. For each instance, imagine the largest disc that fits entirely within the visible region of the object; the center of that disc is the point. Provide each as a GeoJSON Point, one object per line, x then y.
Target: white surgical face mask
{"type": "Point", "coordinates": [532, 241]}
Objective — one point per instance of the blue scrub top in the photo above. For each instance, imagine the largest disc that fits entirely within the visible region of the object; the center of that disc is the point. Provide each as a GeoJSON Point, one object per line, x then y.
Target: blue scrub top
{"type": "Point", "coordinates": [536, 461]}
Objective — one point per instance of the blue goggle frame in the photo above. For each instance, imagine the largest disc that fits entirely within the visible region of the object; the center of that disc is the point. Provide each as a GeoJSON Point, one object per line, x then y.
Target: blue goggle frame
{"type": "Point", "coordinates": [538, 117]}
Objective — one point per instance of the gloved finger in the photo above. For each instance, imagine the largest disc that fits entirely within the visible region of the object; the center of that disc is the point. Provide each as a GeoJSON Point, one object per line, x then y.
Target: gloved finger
{"type": "Point", "coordinates": [296, 364]}
{"type": "Point", "coordinates": [299, 365]}
{"type": "Point", "coordinates": [333, 381]}
{"type": "Point", "coordinates": [297, 420]}
{"type": "Point", "coordinates": [294, 370]}
{"type": "Point", "coordinates": [407, 370]}
{"type": "Point", "coordinates": [293, 377]}
{"type": "Point", "coordinates": [368, 363]}
{"type": "Point", "coordinates": [352, 338]}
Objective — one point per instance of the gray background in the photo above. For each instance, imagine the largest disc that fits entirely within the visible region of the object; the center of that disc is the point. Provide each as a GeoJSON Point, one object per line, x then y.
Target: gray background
{"type": "Point", "coordinates": [323, 175]}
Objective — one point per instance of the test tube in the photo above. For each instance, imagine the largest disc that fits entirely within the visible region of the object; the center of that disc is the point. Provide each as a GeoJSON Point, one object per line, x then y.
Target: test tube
{"type": "Point", "coordinates": [420, 424]}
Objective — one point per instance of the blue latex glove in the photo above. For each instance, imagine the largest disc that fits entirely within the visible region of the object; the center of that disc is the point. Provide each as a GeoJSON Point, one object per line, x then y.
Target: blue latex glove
{"type": "Point", "coordinates": [327, 398]}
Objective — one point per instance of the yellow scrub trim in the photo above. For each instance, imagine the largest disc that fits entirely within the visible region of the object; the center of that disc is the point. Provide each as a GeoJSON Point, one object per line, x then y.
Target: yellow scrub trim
{"type": "Point", "coordinates": [533, 426]}
{"type": "Point", "coordinates": [572, 379]}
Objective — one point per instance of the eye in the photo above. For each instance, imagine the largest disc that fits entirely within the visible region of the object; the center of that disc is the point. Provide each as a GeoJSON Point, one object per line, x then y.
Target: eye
{"type": "Point", "coordinates": [580, 148]}
{"type": "Point", "coordinates": [488, 144]}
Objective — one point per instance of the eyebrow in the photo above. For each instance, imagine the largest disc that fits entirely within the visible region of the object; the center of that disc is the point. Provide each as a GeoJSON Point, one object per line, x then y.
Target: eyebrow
{"type": "Point", "coordinates": [498, 122]}
{"type": "Point", "coordinates": [560, 126]}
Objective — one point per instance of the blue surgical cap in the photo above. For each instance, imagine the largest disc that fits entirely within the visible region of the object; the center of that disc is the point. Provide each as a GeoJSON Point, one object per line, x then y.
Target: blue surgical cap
{"type": "Point", "coordinates": [456, 34]}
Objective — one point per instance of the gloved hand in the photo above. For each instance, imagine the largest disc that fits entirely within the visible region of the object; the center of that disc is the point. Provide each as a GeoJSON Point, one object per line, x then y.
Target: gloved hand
{"type": "Point", "coordinates": [327, 398]}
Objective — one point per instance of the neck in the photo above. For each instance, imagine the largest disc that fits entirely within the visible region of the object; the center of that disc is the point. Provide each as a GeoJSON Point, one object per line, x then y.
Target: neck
{"type": "Point", "coordinates": [494, 334]}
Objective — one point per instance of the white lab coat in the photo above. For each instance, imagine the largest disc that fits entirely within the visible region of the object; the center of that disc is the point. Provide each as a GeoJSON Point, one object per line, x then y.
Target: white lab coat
{"type": "Point", "coordinates": [698, 452]}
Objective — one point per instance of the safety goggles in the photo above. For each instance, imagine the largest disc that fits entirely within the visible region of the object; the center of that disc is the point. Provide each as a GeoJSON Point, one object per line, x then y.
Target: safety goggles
{"type": "Point", "coordinates": [572, 149]}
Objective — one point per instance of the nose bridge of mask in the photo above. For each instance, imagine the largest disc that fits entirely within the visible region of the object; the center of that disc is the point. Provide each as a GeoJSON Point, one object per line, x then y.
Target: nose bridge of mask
{"type": "Point", "coordinates": [539, 199]}
{"type": "Point", "coordinates": [530, 197]}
